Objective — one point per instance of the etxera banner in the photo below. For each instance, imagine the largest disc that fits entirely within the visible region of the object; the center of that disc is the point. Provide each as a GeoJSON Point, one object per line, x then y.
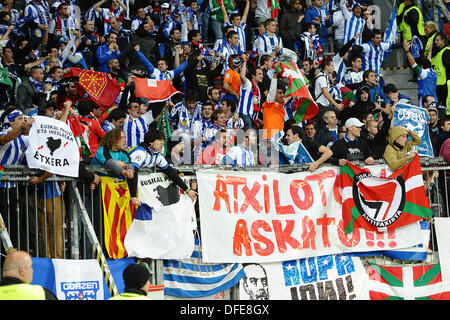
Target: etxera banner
{"type": "Point", "coordinates": [52, 147]}
{"type": "Point", "coordinates": [271, 216]}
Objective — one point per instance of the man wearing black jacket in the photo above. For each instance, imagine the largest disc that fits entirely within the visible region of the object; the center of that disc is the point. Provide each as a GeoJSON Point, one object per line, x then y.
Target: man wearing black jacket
{"type": "Point", "coordinates": [200, 75]}
{"type": "Point", "coordinates": [351, 147]}
{"type": "Point", "coordinates": [376, 138]}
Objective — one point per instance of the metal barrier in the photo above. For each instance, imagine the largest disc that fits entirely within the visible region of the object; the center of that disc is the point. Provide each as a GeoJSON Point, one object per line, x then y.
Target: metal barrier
{"type": "Point", "coordinates": [69, 223]}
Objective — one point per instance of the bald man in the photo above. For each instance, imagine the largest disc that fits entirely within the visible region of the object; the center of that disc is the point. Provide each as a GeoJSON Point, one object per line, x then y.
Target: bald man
{"type": "Point", "coordinates": [16, 278]}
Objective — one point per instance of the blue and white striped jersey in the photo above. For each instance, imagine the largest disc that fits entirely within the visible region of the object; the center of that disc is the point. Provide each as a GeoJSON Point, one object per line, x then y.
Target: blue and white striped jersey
{"type": "Point", "coordinates": [339, 67]}
{"type": "Point", "coordinates": [227, 50]}
{"type": "Point", "coordinates": [352, 25]}
{"type": "Point", "coordinates": [41, 15]}
{"type": "Point", "coordinates": [182, 118]}
{"type": "Point", "coordinates": [239, 124]}
{"type": "Point", "coordinates": [241, 33]}
{"type": "Point", "coordinates": [373, 57]}
{"type": "Point", "coordinates": [141, 158]}
{"type": "Point", "coordinates": [107, 126]}
{"type": "Point", "coordinates": [198, 130]}
{"type": "Point", "coordinates": [247, 99]}
{"type": "Point", "coordinates": [218, 45]}
{"type": "Point", "coordinates": [107, 14]}
{"type": "Point", "coordinates": [12, 153]}
{"type": "Point", "coordinates": [239, 156]}
{"type": "Point", "coordinates": [136, 23]}
{"type": "Point", "coordinates": [353, 77]}
{"type": "Point", "coordinates": [266, 44]}
{"type": "Point", "coordinates": [335, 92]}
{"type": "Point", "coordinates": [135, 128]}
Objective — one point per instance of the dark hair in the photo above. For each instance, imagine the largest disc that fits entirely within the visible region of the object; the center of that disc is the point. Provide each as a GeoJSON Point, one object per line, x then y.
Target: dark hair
{"type": "Point", "coordinates": [10, 109]}
{"type": "Point", "coordinates": [84, 107]}
{"type": "Point", "coordinates": [326, 63]}
{"type": "Point", "coordinates": [152, 135]}
{"type": "Point", "coordinates": [443, 36]}
{"type": "Point", "coordinates": [228, 29]}
{"type": "Point", "coordinates": [281, 86]}
{"type": "Point", "coordinates": [117, 114]}
{"type": "Point", "coordinates": [424, 62]}
{"type": "Point", "coordinates": [192, 95]}
{"type": "Point", "coordinates": [353, 59]}
{"type": "Point", "coordinates": [172, 31]}
{"type": "Point", "coordinates": [53, 69]}
{"type": "Point", "coordinates": [231, 104]}
{"type": "Point", "coordinates": [376, 32]}
{"type": "Point", "coordinates": [191, 34]}
{"type": "Point", "coordinates": [265, 58]}
{"type": "Point", "coordinates": [288, 124]}
{"type": "Point", "coordinates": [215, 114]}
{"type": "Point", "coordinates": [390, 87]}
{"type": "Point", "coordinates": [234, 15]}
{"type": "Point", "coordinates": [296, 130]}
{"type": "Point", "coordinates": [230, 34]}
{"type": "Point", "coordinates": [38, 98]}
{"type": "Point", "coordinates": [269, 21]}
{"type": "Point", "coordinates": [367, 72]}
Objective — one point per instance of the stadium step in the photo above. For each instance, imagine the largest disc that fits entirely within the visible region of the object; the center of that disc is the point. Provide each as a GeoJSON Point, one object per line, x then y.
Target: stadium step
{"type": "Point", "coordinates": [400, 77]}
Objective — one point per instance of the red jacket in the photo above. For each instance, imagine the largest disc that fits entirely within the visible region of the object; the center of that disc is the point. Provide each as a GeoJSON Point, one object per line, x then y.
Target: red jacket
{"type": "Point", "coordinates": [96, 132]}
{"type": "Point", "coordinates": [211, 155]}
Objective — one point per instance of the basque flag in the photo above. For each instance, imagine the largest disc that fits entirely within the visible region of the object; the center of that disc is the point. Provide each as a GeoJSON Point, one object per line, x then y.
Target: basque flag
{"type": "Point", "coordinates": [304, 105]}
{"type": "Point", "coordinates": [379, 204]}
{"type": "Point", "coordinates": [422, 282]}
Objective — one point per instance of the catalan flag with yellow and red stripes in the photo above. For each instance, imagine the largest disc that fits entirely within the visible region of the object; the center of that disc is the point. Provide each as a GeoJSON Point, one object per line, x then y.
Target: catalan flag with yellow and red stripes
{"type": "Point", "coordinates": [118, 211]}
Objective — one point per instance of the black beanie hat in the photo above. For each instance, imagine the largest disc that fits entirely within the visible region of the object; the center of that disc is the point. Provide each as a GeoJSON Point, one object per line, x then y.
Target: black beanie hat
{"type": "Point", "coordinates": [135, 276]}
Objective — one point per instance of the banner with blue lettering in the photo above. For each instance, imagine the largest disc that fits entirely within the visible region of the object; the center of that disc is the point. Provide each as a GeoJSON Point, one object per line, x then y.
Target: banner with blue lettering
{"type": "Point", "coordinates": [415, 119]}
{"type": "Point", "coordinates": [330, 277]}
{"type": "Point", "coordinates": [78, 279]}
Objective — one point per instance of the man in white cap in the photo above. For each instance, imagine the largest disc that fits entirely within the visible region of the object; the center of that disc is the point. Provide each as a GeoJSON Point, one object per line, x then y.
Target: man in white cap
{"type": "Point", "coordinates": [350, 148]}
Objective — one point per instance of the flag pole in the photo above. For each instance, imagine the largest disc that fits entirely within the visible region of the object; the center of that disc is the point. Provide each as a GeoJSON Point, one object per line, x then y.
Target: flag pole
{"type": "Point", "coordinates": [98, 252]}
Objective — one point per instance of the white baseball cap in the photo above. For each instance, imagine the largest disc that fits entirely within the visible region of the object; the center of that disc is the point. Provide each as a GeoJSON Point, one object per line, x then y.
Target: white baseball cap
{"type": "Point", "coordinates": [353, 122]}
{"type": "Point", "coordinates": [165, 6]}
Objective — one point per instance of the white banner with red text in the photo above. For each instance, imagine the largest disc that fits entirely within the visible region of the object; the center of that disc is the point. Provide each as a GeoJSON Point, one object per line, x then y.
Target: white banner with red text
{"type": "Point", "coordinates": [271, 216]}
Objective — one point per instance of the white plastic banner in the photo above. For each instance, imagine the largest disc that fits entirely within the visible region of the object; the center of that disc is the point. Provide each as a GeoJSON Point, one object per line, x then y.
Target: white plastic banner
{"type": "Point", "coordinates": [271, 216]}
{"type": "Point", "coordinates": [165, 233]}
{"type": "Point", "coordinates": [78, 279]}
{"type": "Point", "coordinates": [52, 147]}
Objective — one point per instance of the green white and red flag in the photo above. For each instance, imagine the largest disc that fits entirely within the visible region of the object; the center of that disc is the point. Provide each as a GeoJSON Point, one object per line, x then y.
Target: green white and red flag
{"type": "Point", "coordinates": [274, 6]}
{"type": "Point", "coordinates": [380, 204]}
{"type": "Point", "coordinates": [347, 96]}
{"type": "Point", "coordinates": [422, 282]}
{"type": "Point", "coordinates": [304, 105]}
